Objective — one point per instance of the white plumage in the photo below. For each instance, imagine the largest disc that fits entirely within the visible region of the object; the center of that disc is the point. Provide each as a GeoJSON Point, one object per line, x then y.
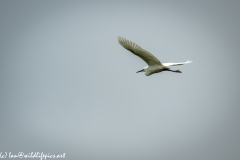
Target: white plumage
{"type": "Point", "coordinates": [154, 65]}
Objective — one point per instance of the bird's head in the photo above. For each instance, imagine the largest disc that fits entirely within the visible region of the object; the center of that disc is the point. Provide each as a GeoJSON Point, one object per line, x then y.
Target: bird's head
{"type": "Point", "coordinates": [140, 71]}
{"type": "Point", "coordinates": [143, 70]}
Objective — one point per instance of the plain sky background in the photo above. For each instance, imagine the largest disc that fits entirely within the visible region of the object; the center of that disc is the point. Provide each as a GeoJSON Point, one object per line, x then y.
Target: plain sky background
{"type": "Point", "coordinates": [67, 86]}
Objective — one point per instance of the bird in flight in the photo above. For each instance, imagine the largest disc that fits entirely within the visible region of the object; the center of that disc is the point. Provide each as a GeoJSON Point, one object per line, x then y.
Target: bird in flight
{"type": "Point", "coordinates": [154, 65]}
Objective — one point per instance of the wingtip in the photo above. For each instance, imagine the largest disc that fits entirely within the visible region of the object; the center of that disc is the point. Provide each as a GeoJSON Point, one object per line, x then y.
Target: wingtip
{"type": "Point", "coordinates": [189, 61]}
{"type": "Point", "coordinates": [119, 38]}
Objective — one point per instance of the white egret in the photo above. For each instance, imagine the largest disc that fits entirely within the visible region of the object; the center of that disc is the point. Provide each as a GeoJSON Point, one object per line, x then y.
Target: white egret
{"type": "Point", "coordinates": [154, 65]}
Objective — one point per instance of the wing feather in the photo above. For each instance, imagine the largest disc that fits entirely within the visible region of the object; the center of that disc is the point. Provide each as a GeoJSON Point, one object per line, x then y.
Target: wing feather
{"type": "Point", "coordinates": [138, 51]}
{"type": "Point", "coordinates": [177, 64]}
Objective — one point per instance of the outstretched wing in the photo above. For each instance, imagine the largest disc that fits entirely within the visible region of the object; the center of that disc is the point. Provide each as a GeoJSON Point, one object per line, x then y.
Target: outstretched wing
{"type": "Point", "coordinates": [138, 51]}
{"type": "Point", "coordinates": [177, 64]}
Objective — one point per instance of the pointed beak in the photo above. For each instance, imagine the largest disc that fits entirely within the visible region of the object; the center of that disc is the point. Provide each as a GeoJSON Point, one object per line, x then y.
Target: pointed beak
{"type": "Point", "coordinates": [140, 71]}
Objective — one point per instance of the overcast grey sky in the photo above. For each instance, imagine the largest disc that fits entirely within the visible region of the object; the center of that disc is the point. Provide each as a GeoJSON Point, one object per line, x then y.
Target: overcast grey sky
{"type": "Point", "coordinates": [67, 86]}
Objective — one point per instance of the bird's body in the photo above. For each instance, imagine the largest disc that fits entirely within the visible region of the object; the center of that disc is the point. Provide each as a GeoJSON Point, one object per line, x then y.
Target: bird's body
{"type": "Point", "coordinates": [154, 65]}
{"type": "Point", "coordinates": [154, 69]}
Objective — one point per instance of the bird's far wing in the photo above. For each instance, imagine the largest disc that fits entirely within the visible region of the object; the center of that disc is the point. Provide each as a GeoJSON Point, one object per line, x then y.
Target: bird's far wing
{"type": "Point", "coordinates": [138, 51]}
{"type": "Point", "coordinates": [176, 64]}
